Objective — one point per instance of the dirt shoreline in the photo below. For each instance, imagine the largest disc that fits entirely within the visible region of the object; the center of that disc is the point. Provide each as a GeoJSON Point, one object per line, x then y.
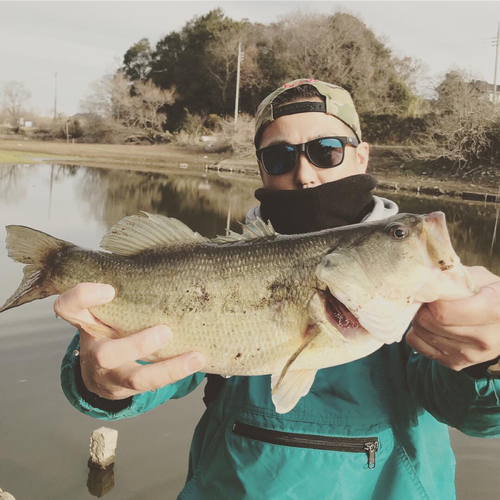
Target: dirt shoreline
{"type": "Point", "coordinates": [387, 164]}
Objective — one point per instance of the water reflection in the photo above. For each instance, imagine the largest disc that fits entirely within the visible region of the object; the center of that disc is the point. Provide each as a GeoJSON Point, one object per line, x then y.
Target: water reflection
{"type": "Point", "coordinates": [12, 185]}
{"type": "Point", "coordinates": [200, 200]}
{"type": "Point", "coordinates": [100, 481]}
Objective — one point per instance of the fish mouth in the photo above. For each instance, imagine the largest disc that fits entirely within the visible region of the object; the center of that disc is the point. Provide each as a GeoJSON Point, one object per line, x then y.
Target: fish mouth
{"type": "Point", "coordinates": [339, 315]}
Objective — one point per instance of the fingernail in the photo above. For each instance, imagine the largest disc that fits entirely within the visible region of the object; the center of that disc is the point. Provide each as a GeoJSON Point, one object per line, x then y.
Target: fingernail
{"type": "Point", "coordinates": [195, 362]}
{"type": "Point", "coordinates": [162, 334]}
{"type": "Point", "coordinates": [106, 291]}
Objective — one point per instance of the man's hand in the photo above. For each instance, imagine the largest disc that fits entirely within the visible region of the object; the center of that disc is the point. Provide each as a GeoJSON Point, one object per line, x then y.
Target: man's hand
{"type": "Point", "coordinates": [109, 367]}
{"type": "Point", "coordinates": [464, 332]}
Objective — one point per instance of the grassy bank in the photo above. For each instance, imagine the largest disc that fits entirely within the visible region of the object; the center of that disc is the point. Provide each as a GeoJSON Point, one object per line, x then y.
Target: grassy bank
{"type": "Point", "coordinates": [388, 163]}
{"type": "Point", "coordinates": [132, 157]}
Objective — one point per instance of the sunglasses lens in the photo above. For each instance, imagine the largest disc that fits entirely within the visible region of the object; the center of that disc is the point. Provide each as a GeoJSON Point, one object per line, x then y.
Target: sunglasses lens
{"type": "Point", "coordinates": [326, 153]}
{"type": "Point", "coordinates": [279, 160]}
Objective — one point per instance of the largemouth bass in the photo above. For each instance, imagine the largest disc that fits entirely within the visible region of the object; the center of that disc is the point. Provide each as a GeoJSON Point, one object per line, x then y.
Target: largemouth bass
{"type": "Point", "coordinates": [257, 303]}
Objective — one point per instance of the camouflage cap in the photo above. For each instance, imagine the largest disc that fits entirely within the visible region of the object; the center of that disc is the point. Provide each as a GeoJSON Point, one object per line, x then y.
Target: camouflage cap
{"type": "Point", "coordinates": [338, 102]}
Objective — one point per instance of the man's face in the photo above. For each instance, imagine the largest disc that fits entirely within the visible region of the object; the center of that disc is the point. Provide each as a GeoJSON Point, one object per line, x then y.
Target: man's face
{"type": "Point", "coordinates": [303, 127]}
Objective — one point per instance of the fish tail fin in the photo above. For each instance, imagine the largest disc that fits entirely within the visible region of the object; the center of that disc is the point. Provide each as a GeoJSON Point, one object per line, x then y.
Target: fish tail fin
{"type": "Point", "coordinates": [32, 247]}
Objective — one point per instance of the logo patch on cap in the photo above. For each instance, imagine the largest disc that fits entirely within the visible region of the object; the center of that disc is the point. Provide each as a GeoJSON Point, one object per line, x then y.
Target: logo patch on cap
{"type": "Point", "coordinates": [298, 82]}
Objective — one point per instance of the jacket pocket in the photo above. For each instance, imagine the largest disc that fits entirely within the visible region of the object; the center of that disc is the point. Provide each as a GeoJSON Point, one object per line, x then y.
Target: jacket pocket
{"type": "Point", "coordinates": [367, 445]}
{"type": "Point", "coordinates": [251, 461]}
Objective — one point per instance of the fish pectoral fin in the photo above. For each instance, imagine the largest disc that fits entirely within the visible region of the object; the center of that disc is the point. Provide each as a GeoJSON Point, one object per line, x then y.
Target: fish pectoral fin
{"type": "Point", "coordinates": [289, 387]}
{"type": "Point", "coordinates": [98, 331]}
{"type": "Point", "coordinates": [294, 385]}
{"type": "Point", "coordinates": [311, 333]}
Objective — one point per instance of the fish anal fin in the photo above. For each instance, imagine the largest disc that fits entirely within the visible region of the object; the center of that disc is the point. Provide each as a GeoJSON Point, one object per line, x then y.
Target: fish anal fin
{"type": "Point", "coordinates": [293, 386]}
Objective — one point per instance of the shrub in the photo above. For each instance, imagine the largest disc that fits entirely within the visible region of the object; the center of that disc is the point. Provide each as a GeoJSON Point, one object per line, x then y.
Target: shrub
{"type": "Point", "coordinates": [391, 129]}
{"type": "Point", "coordinates": [234, 137]}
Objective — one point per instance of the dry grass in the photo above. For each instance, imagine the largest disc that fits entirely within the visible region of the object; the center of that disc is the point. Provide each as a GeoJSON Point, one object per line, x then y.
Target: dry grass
{"type": "Point", "coordinates": [227, 136]}
{"type": "Point", "coordinates": [130, 156]}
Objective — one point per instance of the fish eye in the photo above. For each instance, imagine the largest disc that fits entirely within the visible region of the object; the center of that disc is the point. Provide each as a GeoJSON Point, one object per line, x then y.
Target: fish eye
{"type": "Point", "coordinates": [399, 232]}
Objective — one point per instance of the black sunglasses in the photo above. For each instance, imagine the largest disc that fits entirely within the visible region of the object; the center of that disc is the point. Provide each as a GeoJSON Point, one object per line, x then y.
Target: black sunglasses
{"type": "Point", "coordinates": [326, 152]}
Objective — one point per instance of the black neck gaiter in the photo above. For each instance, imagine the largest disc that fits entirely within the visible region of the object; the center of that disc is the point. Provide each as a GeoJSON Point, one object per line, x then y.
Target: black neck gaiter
{"type": "Point", "coordinates": [333, 204]}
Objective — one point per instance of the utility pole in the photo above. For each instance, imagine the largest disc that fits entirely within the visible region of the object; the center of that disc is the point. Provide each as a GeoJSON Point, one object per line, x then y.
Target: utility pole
{"type": "Point", "coordinates": [55, 98]}
{"type": "Point", "coordinates": [496, 67]}
{"type": "Point", "coordinates": [237, 85]}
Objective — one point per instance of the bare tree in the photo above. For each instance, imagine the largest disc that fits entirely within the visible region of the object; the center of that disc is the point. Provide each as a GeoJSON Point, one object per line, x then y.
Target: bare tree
{"type": "Point", "coordinates": [143, 110]}
{"type": "Point", "coordinates": [14, 95]}
{"type": "Point", "coordinates": [339, 49]}
{"type": "Point", "coordinates": [221, 62]}
{"type": "Point", "coordinates": [107, 96]}
{"type": "Point", "coordinates": [410, 70]}
{"type": "Point", "coordinates": [135, 109]}
{"type": "Point", "coordinates": [464, 122]}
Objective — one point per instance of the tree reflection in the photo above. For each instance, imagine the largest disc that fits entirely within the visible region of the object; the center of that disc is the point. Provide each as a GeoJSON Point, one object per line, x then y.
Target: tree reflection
{"type": "Point", "coordinates": [199, 200]}
{"type": "Point", "coordinates": [62, 172]}
{"type": "Point", "coordinates": [12, 185]}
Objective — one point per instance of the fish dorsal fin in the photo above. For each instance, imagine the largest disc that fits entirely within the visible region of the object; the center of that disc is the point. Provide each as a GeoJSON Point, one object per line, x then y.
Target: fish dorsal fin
{"type": "Point", "coordinates": [253, 230]}
{"type": "Point", "coordinates": [135, 233]}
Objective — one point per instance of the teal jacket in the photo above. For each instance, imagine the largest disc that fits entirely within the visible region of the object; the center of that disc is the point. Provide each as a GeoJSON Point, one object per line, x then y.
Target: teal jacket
{"type": "Point", "coordinates": [375, 428]}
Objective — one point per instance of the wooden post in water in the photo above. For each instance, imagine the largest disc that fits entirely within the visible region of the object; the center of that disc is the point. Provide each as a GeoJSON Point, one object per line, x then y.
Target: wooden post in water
{"type": "Point", "coordinates": [6, 496]}
{"type": "Point", "coordinates": [103, 447]}
{"type": "Point", "coordinates": [228, 222]}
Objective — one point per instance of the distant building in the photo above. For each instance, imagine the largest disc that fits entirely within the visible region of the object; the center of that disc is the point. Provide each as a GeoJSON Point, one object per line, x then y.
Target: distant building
{"type": "Point", "coordinates": [25, 123]}
{"type": "Point", "coordinates": [83, 118]}
{"type": "Point", "coordinates": [486, 88]}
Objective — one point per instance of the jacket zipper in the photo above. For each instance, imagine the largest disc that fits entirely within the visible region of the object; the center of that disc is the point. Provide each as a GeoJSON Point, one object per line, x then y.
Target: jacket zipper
{"type": "Point", "coordinates": [368, 445]}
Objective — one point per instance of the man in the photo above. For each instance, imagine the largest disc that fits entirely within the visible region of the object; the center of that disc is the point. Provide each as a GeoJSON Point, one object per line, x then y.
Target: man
{"type": "Point", "coordinates": [386, 412]}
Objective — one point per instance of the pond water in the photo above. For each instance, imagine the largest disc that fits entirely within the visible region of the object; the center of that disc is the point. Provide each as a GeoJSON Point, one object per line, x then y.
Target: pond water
{"type": "Point", "coordinates": [43, 440]}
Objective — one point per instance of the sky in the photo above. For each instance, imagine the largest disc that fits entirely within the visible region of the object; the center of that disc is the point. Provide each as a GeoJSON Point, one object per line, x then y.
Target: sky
{"type": "Point", "coordinates": [82, 41]}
